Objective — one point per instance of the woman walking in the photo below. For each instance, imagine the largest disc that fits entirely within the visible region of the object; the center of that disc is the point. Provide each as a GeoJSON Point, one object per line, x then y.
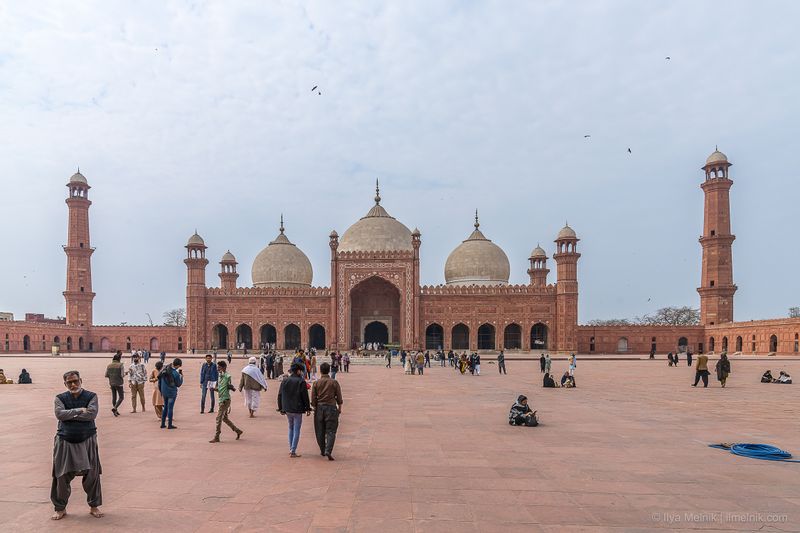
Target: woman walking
{"type": "Point", "coordinates": [115, 372]}
{"type": "Point", "coordinates": [723, 368]}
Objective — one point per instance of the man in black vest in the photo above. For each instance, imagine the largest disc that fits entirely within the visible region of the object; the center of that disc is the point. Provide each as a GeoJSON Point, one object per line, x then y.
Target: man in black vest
{"type": "Point", "coordinates": [75, 448]}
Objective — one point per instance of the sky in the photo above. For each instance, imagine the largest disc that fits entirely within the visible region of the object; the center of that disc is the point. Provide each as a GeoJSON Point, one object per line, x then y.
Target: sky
{"type": "Point", "coordinates": [187, 115]}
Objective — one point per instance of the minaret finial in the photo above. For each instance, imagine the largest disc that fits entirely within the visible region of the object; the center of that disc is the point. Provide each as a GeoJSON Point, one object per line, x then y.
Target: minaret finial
{"type": "Point", "coordinates": [79, 169]}
{"type": "Point", "coordinates": [477, 224]}
{"type": "Point", "coordinates": [281, 228]}
{"type": "Point", "coordinates": [195, 230]}
{"type": "Point", "coordinates": [377, 192]}
{"type": "Point", "coordinates": [716, 148]}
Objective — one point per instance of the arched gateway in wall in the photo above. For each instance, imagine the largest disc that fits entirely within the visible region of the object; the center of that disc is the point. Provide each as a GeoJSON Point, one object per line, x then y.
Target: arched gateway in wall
{"type": "Point", "coordinates": [375, 312]}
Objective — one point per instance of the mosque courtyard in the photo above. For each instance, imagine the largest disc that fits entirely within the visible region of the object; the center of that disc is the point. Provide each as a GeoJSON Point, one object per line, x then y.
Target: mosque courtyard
{"type": "Point", "coordinates": [625, 450]}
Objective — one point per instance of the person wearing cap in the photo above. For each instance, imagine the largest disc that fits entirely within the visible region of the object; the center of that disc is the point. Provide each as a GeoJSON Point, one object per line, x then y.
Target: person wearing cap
{"type": "Point", "coordinates": [521, 414]}
{"type": "Point", "coordinates": [251, 384]}
{"type": "Point", "coordinates": [293, 402]}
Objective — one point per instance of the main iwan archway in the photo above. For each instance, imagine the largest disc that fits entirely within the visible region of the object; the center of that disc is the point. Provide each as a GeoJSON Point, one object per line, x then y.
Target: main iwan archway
{"type": "Point", "coordinates": [375, 312]}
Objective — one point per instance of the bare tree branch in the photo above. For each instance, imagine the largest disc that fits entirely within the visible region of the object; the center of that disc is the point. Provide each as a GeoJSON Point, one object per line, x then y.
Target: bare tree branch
{"type": "Point", "coordinates": [175, 317]}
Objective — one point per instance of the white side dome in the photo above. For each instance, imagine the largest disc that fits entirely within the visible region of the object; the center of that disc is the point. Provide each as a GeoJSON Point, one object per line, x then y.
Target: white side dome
{"type": "Point", "coordinates": [477, 261]}
{"type": "Point", "coordinates": [282, 264]}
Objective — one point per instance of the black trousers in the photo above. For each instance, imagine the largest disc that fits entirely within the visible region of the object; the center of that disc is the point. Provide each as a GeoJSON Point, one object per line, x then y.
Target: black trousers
{"type": "Point", "coordinates": [326, 422]}
{"type": "Point", "coordinates": [117, 395]}
{"type": "Point", "coordinates": [60, 489]}
{"type": "Point", "coordinates": [501, 368]}
{"type": "Point", "coordinates": [701, 374]}
{"type": "Point", "coordinates": [271, 372]}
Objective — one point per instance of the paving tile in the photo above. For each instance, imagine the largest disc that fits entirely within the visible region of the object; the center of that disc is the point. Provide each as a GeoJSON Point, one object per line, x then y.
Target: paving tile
{"type": "Point", "coordinates": [423, 454]}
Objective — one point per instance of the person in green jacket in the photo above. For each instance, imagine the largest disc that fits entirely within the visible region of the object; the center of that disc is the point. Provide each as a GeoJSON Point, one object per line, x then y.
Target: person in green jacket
{"type": "Point", "coordinates": [224, 388]}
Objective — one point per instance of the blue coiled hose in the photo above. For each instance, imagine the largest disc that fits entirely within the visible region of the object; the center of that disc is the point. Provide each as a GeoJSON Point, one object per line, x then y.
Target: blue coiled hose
{"type": "Point", "coordinates": [766, 452]}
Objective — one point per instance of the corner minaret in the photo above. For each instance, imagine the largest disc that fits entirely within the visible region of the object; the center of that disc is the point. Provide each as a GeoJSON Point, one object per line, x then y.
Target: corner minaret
{"type": "Point", "coordinates": [716, 283]}
{"type": "Point", "coordinates": [228, 274]}
{"type": "Point", "coordinates": [196, 263]}
{"type": "Point", "coordinates": [79, 295]}
{"type": "Point", "coordinates": [566, 258]}
{"type": "Point", "coordinates": [538, 270]}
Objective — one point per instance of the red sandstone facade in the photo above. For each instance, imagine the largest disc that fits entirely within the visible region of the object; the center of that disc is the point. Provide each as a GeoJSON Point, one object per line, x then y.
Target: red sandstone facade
{"type": "Point", "coordinates": [376, 296]}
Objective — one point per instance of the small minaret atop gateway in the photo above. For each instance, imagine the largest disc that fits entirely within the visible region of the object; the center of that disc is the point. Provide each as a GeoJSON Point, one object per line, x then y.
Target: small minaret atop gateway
{"type": "Point", "coordinates": [716, 283]}
{"type": "Point", "coordinates": [78, 294]}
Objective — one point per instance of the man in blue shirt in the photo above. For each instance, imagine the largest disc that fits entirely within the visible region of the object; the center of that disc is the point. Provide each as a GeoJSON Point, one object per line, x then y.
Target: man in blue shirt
{"type": "Point", "coordinates": [208, 380]}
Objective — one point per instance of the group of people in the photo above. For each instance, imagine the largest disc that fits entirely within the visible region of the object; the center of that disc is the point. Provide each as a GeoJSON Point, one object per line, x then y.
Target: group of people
{"type": "Point", "coordinates": [783, 378]}
{"type": "Point", "coordinates": [24, 378]}
{"type": "Point", "coordinates": [567, 380]}
{"type": "Point", "coordinates": [674, 359]}
{"type": "Point", "coordinates": [75, 452]}
{"type": "Point", "coordinates": [722, 368]}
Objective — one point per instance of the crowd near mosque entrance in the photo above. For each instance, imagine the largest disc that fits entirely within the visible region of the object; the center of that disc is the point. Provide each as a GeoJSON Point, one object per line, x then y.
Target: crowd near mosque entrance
{"type": "Point", "coordinates": [374, 312]}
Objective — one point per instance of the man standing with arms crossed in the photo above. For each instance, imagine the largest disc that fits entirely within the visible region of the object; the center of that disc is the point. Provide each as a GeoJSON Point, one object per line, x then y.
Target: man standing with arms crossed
{"type": "Point", "coordinates": [75, 448]}
{"type": "Point", "coordinates": [326, 401]}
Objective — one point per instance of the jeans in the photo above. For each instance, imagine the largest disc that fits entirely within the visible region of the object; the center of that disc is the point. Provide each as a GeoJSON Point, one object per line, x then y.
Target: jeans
{"type": "Point", "coordinates": [501, 368]}
{"type": "Point", "coordinates": [117, 395]}
{"type": "Point", "coordinates": [334, 371]}
{"type": "Point", "coordinates": [206, 390]}
{"type": "Point", "coordinates": [295, 421]}
{"type": "Point", "coordinates": [166, 413]}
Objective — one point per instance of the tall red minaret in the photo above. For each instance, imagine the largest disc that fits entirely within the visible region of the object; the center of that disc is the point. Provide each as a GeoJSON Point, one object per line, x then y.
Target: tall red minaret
{"type": "Point", "coordinates": [196, 263]}
{"type": "Point", "coordinates": [566, 258]}
{"type": "Point", "coordinates": [79, 293]}
{"type": "Point", "coordinates": [716, 284]}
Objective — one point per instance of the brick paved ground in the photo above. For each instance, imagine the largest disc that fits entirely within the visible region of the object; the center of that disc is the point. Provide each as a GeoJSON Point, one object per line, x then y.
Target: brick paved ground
{"type": "Point", "coordinates": [626, 450]}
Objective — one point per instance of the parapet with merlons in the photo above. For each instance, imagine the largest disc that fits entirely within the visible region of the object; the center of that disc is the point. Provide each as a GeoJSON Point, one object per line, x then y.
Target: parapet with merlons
{"type": "Point", "coordinates": [381, 255]}
{"type": "Point", "coordinates": [486, 290]}
{"type": "Point", "coordinates": [272, 291]}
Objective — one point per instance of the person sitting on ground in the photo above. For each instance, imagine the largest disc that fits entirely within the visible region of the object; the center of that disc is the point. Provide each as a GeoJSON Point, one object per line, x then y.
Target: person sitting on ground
{"type": "Point", "coordinates": [3, 379]}
{"type": "Point", "coordinates": [549, 382]}
{"type": "Point", "coordinates": [521, 414]}
{"type": "Point", "coordinates": [767, 377]}
{"type": "Point", "coordinates": [671, 360]}
{"type": "Point", "coordinates": [24, 378]}
{"type": "Point", "coordinates": [567, 381]}
{"type": "Point", "coordinates": [784, 378]}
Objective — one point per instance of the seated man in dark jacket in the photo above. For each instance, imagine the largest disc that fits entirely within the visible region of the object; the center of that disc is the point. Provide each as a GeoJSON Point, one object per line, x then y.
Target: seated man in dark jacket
{"type": "Point", "coordinates": [548, 381]}
{"type": "Point", "coordinates": [521, 414]}
{"type": "Point", "coordinates": [293, 402]}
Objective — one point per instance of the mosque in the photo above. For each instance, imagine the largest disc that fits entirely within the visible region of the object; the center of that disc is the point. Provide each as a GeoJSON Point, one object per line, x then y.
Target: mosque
{"type": "Point", "coordinates": [376, 296]}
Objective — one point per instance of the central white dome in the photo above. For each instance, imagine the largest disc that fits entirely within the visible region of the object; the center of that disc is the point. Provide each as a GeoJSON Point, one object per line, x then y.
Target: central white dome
{"type": "Point", "coordinates": [377, 231]}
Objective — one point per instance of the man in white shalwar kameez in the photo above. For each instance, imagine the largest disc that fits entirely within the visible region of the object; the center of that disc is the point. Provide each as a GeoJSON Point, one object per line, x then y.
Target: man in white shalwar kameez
{"type": "Point", "coordinates": [251, 385]}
